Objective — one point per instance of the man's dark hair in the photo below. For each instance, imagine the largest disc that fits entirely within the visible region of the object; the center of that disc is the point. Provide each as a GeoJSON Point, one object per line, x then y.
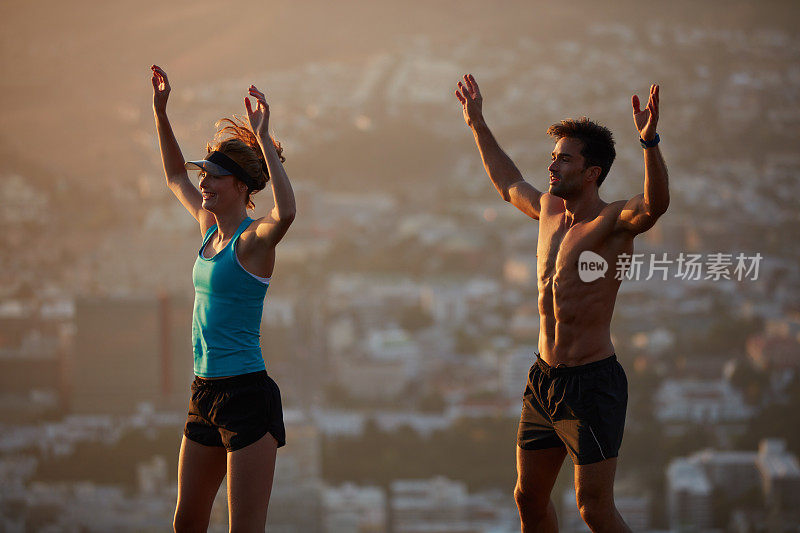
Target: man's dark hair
{"type": "Point", "coordinates": [598, 142]}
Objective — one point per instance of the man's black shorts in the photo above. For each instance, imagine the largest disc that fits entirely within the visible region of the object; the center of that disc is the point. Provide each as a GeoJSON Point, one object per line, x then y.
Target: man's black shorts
{"type": "Point", "coordinates": [580, 407]}
{"type": "Point", "coordinates": [235, 412]}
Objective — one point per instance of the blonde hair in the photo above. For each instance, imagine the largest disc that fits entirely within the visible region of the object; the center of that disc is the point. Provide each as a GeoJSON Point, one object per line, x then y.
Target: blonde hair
{"type": "Point", "coordinates": [235, 139]}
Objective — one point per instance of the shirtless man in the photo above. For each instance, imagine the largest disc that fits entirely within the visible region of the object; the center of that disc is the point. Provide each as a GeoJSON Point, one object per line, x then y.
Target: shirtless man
{"type": "Point", "coordinates": [577, 392]}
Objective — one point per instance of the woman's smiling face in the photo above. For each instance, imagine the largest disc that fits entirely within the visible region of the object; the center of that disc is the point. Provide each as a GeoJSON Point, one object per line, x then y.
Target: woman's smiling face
{"type": "Point", "coordinates": [220, 192]}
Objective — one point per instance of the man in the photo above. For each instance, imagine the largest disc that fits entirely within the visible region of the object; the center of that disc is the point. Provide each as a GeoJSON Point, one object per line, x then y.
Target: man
{"type": "Point", "coordinates": [576, 396]}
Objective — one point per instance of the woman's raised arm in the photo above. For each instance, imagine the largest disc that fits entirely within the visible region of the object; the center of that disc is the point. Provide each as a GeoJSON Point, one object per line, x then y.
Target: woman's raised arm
{"type": "Point", "coordinates": [275, 226]}
{"type": "Point", "coordinates": [171, 156]}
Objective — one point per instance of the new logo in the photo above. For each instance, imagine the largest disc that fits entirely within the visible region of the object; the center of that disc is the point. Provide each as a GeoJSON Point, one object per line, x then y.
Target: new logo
{"type": "Point", "coordinates": [591, 266]}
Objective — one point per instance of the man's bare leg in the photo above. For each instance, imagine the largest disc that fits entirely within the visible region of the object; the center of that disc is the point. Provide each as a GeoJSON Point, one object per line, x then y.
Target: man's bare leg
{"type": "Point", "coordinates": [537, 471]}
{"type": "Point", "coordinates": [594, 491]}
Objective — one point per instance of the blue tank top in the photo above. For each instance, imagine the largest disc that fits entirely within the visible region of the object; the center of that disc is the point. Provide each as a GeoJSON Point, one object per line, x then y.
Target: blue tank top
{"type": "Point", "coordinates": [226, 320]}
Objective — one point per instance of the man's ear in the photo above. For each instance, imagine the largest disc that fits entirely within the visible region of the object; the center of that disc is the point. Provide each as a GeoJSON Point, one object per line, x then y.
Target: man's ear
{"type": "Point", "coordinates": [594, 172]}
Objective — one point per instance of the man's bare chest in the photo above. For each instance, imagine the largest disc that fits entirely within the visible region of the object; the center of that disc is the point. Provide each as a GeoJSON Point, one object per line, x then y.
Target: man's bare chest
{"type": "Point", "coordinates": [560, 247]}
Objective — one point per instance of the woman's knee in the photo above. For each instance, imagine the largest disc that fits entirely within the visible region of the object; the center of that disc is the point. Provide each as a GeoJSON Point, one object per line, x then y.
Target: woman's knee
{"type": "Point", "coordinates": [185, 522]}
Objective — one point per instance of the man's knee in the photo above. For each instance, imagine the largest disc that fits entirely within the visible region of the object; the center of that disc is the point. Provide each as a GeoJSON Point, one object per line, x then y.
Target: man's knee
{"type": "Point", "coordinates": [595, 509]}
{"type": "Point", "coordinates": [531, 500]}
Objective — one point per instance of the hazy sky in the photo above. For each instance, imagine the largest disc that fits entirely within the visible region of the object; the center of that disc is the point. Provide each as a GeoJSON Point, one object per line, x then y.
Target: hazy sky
{"type": "Point", "coordinates": [68, 67]}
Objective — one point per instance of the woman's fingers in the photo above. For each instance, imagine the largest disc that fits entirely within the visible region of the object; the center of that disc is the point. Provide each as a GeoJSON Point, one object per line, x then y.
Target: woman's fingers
{"type": "Point", "coordinates": [162, 76]}
{"type": "Point", "coordinates": [248, 106]}
{"type": "Point", "coordinates": [254, 90]}
{"type": "Point", "coordinates": [258, 95]}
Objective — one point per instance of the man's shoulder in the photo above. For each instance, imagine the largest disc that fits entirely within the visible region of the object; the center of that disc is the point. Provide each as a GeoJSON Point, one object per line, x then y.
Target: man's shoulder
{"type": "Point", "coordinates": [551, 203]}
{"type": "Point", "coordinates": [613, 209]}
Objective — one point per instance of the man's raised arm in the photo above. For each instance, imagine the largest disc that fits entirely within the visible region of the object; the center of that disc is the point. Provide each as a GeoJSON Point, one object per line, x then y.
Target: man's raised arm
{"type": "Point", "coordinates": [641, 212]}
{"type": "Point", "coordinates": [504, 174]}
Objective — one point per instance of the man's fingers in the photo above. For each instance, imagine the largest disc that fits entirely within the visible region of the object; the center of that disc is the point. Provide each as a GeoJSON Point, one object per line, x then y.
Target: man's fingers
{"type": "Point", "coordinates": [460, 98]}
{"type": "Point", "coordinates": [468, 84]}
{"type": "Point", "coordinates": [472, 87]}
{"type": "Point", "coordinates": [635, 104]}
{"type": "Point", "coordinates": [473, 84]}
{"type": "Point", "coordinates": [464, 91]}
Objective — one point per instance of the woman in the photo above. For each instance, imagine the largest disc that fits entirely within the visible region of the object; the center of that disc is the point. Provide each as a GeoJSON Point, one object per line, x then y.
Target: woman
{"type": "Point", "coordinates": [235, 422]}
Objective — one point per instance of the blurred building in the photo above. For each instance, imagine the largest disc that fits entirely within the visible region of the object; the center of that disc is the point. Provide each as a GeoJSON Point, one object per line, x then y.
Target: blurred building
{"type": "Point", "coordinates": [365, 377]}
{"type": "Point", "coordinates": [353, 509]}
{"type": "Point", "coordinates": [731, 473]}
{"type": "Point", "coordinates": [425, 505]}
{"type": "Point", "coordinates": [747, 484]}
{"type": "Point", "coordinates": [692, 401]}
{"type": "Point", "coordinates": [689, 496]}
{"type": "Point", "coordinates": [296, 504]}
{"type": "Point", "coordinates": [128, 351]}
{"type": "Point", "coordinates": [514, 369]}
{"type": "Point", "coordinates": [387, 362]}
{"type": "Point", "coordinates": [776, 349]}
{"type": "Point", "coordinates": [450, 302]}
{"type": "Point", "coordinates": [520, 270]}
{"type": "Point", "coordinates": [780, 477]}
{"type": "Point", "coordinates": [32, 348]}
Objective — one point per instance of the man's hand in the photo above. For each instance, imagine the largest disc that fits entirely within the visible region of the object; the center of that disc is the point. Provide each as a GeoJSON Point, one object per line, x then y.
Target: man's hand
{"type": "Point", "coordinates": [259, 118]}
{"type": "Point", "coordinates": [160, 89]}
{"type": "Point", "coordinates": [647, 119]}
{"type": "Point", "coordinates": [471, 100]}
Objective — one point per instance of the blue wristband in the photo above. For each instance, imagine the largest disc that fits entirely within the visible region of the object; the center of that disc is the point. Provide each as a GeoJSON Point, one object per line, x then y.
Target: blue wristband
{"type": "Point", "coordinates": [650, 144]}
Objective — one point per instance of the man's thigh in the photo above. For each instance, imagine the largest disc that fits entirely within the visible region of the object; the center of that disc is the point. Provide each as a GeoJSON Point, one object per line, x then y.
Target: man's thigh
{"type": "Point", "coordinates": [590, 420]}
{"type": "Point", "coordinates": [536, 431]}
{"type": "Point", "coordinates": [595, 482]}
{"type": "Point", "coordinates": [537, 471]}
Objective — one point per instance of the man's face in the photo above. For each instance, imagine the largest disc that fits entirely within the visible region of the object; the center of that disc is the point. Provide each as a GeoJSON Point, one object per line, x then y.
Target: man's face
{"type": "Point", "coordinates": [568, 169]}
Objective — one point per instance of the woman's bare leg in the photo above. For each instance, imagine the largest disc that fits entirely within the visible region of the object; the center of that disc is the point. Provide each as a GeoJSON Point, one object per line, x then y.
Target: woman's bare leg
{"type": "Point", "coordinates": [200, 472]}
{"type": "Point", "coordinates": [250, 472]}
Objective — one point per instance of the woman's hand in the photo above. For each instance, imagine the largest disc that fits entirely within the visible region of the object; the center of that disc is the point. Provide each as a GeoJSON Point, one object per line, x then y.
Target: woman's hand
{"type": "Point", "coordinates": [160, 89]}
{"type": "Point", "coordinates": [259, 119]}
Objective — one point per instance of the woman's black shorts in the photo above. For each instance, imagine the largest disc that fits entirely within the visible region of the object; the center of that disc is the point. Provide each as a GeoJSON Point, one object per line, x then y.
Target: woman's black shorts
{"type": "Point", "coordinates": [235, 412]}
{"type": "Point", "coordinates": [579, 407]}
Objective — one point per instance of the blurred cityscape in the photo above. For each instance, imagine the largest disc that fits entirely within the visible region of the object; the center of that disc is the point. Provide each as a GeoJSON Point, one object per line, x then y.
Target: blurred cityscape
{"type": "Point", "coordinates": [402, 316]}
